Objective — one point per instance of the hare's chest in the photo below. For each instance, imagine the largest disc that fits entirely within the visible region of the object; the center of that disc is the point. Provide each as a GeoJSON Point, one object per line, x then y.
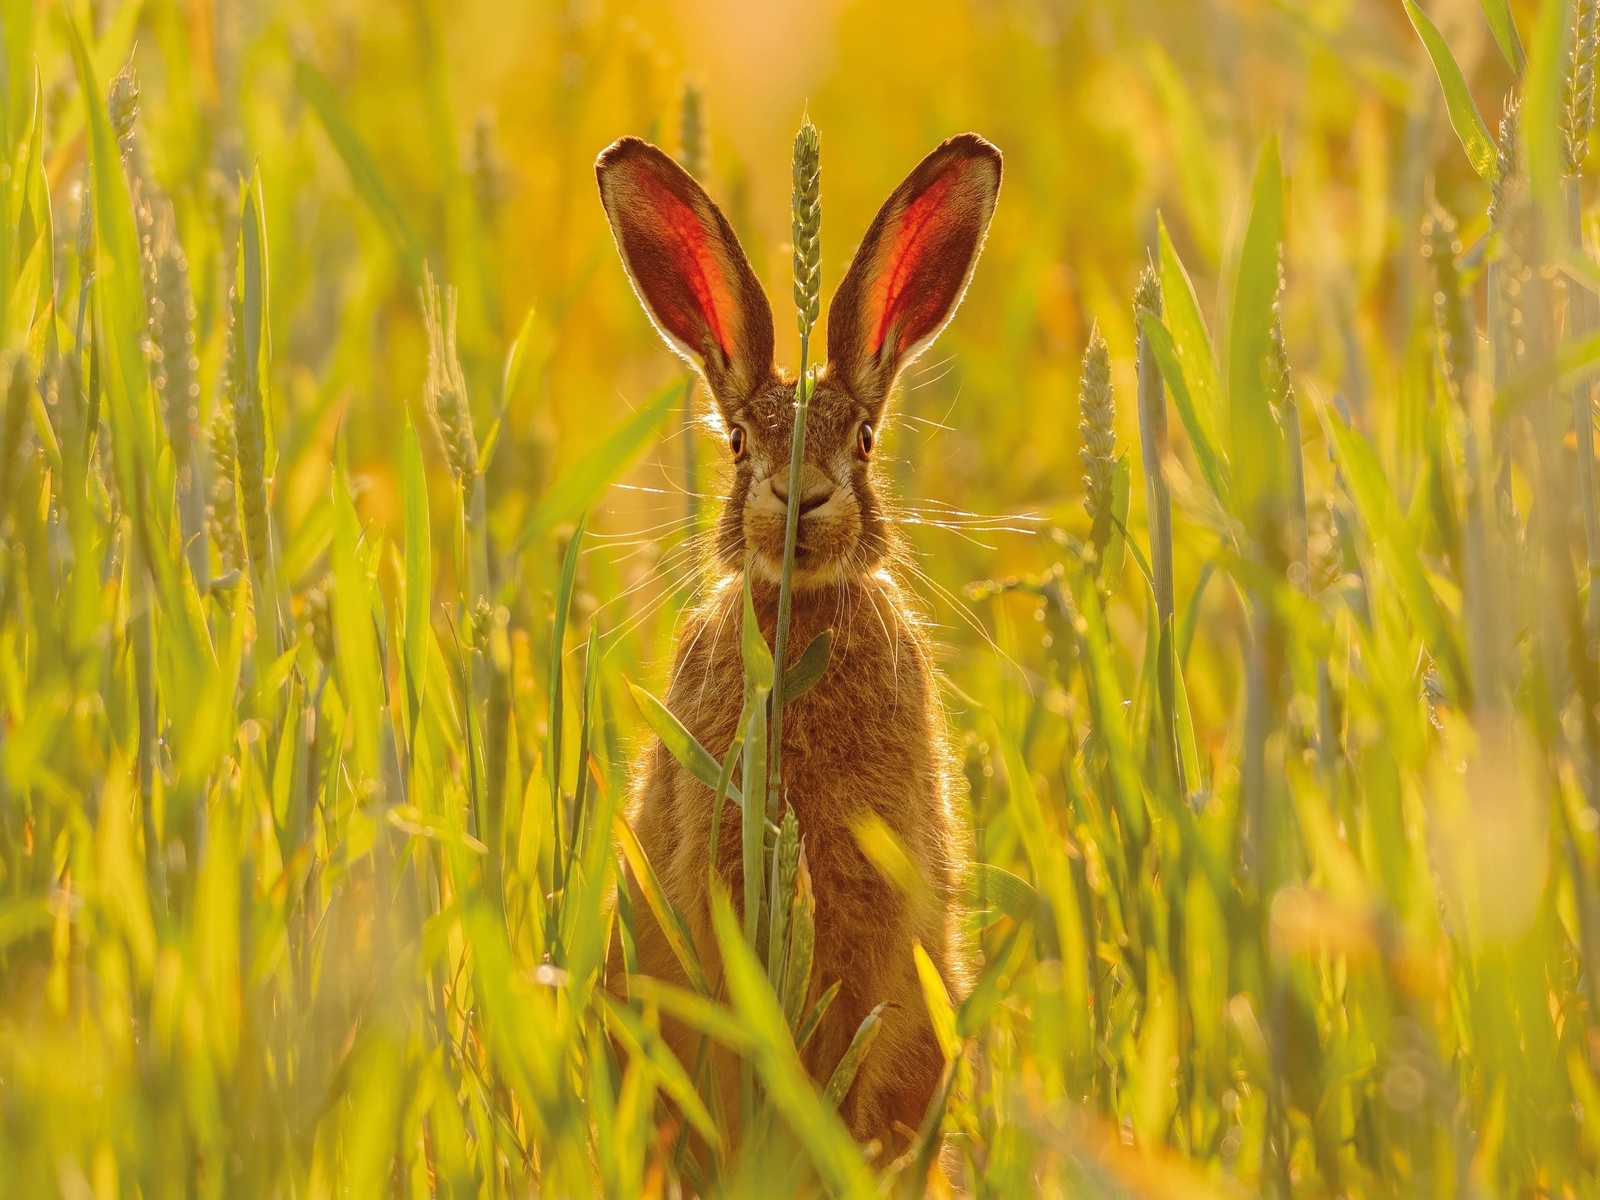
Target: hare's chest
{"type": "Point", "coordinates": [859, 740]}
{"type": "Point", "coordinates": [867, 734]}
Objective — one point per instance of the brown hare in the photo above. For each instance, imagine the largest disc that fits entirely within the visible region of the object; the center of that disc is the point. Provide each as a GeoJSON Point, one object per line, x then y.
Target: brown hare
{"type": "Point", "coordinates": [870, 736]}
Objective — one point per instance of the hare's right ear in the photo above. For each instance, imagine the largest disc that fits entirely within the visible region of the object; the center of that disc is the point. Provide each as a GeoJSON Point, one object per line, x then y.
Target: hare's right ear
{"type": "Point", "coordinates": [913, 266]}
{"type": "Point", "coordinates": [688, 269]}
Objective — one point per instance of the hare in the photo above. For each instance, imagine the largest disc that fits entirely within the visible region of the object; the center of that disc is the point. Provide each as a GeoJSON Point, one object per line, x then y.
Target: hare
{"type": "Point", "coordinates": [870, 736]}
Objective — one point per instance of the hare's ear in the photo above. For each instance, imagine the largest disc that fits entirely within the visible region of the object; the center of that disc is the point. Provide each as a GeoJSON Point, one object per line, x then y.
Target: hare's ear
{"type": "Point", "coordinates": [907, 278]}
{"type": "Point", "coordinates": [688, 268]}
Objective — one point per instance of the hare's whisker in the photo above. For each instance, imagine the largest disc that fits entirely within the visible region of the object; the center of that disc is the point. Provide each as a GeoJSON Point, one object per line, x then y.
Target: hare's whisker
{"type": "Point", "coordinates": [633, 623]}
{"type": "Point", "coordinates": [925, 372]}
{"type": "Point", "coordinates": [637, 543]}
{"type": "Point", "coordinates": [659, 572]}
{"type": "Point", "coordinates": [948, 365]}
{"type": "Point", "coordinates": [963, 534]}
{"type": "Point", "coordinates": [928, 504]}
{"type": "Point", "coordinates": [663, 565]}
{"type": "Point", "coordinates": [711, 657]}
{"type": "Point", "coordinates": [673, 489]}
{"type": "Point", "coordinates": [633, 537]}
{"type": "Point", "coordinates": [893, 640]}
{"type": "Point", "coordinates": [674, 522]}
{"type": "Point", "coordinates": [912, 418]}
{"type": "Point", "coordinates": [971, 620]}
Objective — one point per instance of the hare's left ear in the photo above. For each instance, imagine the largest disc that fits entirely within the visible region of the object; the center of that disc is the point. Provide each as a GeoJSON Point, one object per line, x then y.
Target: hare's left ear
{"type": "Point", "coordinates": [688, 269]}
{"type": "Point", "coordinates": [907, 278]}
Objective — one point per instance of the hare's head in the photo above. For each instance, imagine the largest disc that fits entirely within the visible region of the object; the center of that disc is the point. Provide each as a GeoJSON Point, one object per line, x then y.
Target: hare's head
{"type": "Point", "coordinates": [902, 287]}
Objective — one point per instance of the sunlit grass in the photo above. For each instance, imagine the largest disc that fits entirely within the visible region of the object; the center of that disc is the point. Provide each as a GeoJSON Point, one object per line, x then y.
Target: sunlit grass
{"type": "Point", "coordinates": [347, 504]}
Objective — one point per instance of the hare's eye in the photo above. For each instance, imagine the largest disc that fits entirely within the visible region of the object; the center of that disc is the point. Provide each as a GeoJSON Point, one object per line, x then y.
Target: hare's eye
{"type": "Point", "coordinates": [738, 442]}
{"type": "Point", "coordinates": [865, 439]}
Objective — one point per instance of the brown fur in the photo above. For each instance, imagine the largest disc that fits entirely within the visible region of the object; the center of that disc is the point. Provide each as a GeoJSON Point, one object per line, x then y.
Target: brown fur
{"type": "Point", "coordinates": [870, 737]}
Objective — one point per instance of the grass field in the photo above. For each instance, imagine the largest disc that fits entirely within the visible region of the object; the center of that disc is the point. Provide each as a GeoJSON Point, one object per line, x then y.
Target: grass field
{"type": "Point", "coordinates": [348, 501]}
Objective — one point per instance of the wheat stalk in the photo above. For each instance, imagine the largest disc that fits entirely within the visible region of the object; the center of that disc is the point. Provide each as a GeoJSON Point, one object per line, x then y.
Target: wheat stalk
{"type": "Point", "coordinates": [1153, 444]}
{"type": "Point", "coordinates": [806, 215]}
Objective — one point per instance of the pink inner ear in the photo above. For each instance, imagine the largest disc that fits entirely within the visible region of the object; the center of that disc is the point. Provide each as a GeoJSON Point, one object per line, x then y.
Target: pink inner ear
{"type": "Point", "coordinates": [905, 290]}
{"type": "Point", "coordinates": [679, 235]}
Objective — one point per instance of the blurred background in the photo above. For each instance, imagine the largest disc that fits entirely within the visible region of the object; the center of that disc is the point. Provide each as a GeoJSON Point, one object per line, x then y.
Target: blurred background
{"type": "Point", "coordinates": [481, 122]}
{"type": "Point", "coordinates": [398, 137]}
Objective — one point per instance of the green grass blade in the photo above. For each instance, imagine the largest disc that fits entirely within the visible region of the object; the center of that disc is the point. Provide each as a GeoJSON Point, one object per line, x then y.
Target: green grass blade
{"type": "Point", "coordinates": [1111, 525]}
{"type": "Point", "coordinates": [844, 1075]}
{"type": "Point", "coordinates": [646, 1045]}
{"type": "Point", "coordinates": [418, 571]}
{"type": "Point", "coordinates": [119, 297]}
{"type": "Point", "coordinates": [254, 280]}
{"type": "Point", "coordinates": [557, 706]}
{"type": "Point", "coordinates": [680, 743]}
{"type": "Point", "coordinates": [813, 1019]}
{"type": "Point", "coordinates": [802, 946]}
{"type": "Point", "coordinates": [36, 219]}
{"type": "Point", "coordinates": [825, 1140]}
{"type": "Point", "coordinates": [581, 483]}
{"type": "Point", "coordinates": [1012, 894]}
{"type": "Point", "coordinates": [937, 998]}
{"type": "Point", "coordinates": [117, 271]}
{"type": "Point", "coordinates": [1191, 612]}
{"type": "Point", "coordinates": [698, 1012]}
{"type": "Point", "coordinates": [1257, 451]}
{"type": "Point", "coordinates": [1392, 539]}
{"type": "Point", "coordinates": [666, 914]}
{"type": "Point", "coordinates": [926, 1144]}
{"type": "Point", "coordinates": [1188, 750]}
{"type": "Point", "coordinates": [1053, 879]}
{"type": "Point", "coordinates": [753, 649]}
{"type": "Point", "coordinates": [753, 835]}
{"type": "Point", "coordinates": [1543, 114]}
{"type": "Point", "coordinates": [809, 667]}
{"type": "Point", "coordinates": [723, 789]}
{"type": "Point", "coordinates": [510, 377]}
{"type": "Point", "coordinates": [994, 981]}
{"type": "Point", "coordinates": [356, 649]}
{"type": "Point", "coordinates": [585, 783]}
{"type": "Point", "coordinates": [363, 168]}
{"type": "Point", "coordinates": [516, 359]}
{"type": "Point", "coordinates": [1192, 342]}
{"type": "Point", "coordinates": [1213, 467]}
{"type": "Point", "coordinates": [1464, 118]}
{"type": "Point", "coordinates": [1504, 28]}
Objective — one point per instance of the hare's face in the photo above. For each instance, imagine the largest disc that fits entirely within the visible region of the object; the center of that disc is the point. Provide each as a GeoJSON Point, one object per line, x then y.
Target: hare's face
{"type": "Point", "coordinates": [842, 528]}
{"type": "Point", "coordinates": [903, 285]}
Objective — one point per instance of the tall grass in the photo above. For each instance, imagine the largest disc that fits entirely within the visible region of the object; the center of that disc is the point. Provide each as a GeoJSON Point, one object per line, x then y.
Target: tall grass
{"type": "Point", "coordinates": [325, 643]}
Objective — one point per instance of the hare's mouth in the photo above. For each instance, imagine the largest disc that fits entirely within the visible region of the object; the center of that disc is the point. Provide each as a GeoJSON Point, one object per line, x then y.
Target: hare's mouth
{"type": "Point", "coordinates": [823, 546]}
{"type": "Point", "coordinates": [812, 564]}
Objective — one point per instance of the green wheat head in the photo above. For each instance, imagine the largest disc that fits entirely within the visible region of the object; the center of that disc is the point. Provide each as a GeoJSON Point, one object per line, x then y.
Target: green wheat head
{"type": "Point", "coordinates": [1098, 415]}
{"type": "Point", "coordinates": [122, 104]}
{"type": "Point", "coordinates": [692, 131]}
{"type": "Point", "coordinates": [487, 169]}
{"type": "Point", "coordinates": [807, 219]}
{"type": "Point", "coordinates": [1147, 293]}
{"type": "Point", "coordinates": [1441, 249]}
{"type": "Point", "coordinates": [446, 388]}
{"type": "Point", "coordinates": [222, 510]}
{"type": "Point", "coordinates": [1579, 115]}
{"type": "Point", "coordinates": [1506, 165]}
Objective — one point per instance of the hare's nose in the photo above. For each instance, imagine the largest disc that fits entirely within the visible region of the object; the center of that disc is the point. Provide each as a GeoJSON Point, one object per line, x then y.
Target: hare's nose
{"type": "Point", "coordinates": [816, 495]}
